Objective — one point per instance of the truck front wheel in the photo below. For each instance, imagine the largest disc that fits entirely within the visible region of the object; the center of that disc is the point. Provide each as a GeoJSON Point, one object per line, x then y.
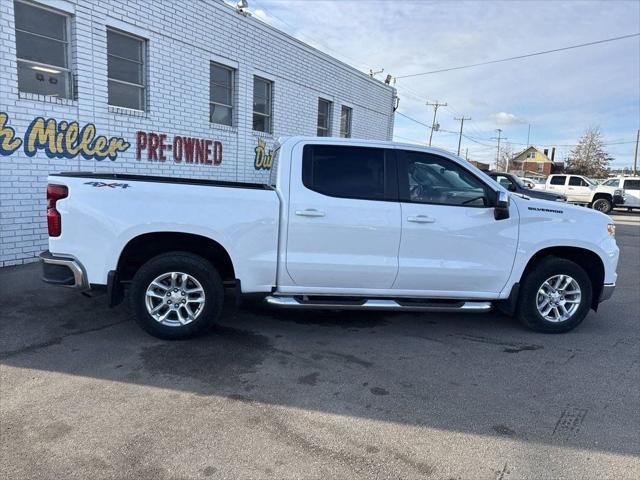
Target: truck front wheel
{"type": "Point", "coordinates": [176, 295]}
{"type": "Point", "coordinates": [602, 205]}
{"type": "Point", "coordinates": [555, 296]}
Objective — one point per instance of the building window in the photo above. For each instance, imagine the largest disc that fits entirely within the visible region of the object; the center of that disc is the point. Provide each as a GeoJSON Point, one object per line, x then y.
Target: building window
{"type": "Point", "coordinates": [262, 90]}
{"type": "Point", "coordinates": [324, 118]}
{"type": "Point", "coordinates": [345, 122]}
{"type": "Point", "coordinates": [221, 94]}
{"type": "Point", "coordinates": [42, 50]}
{"type": "Point", "coordinates": [531, 155]}
{"type": "Point", "coordinates": [126, 70]}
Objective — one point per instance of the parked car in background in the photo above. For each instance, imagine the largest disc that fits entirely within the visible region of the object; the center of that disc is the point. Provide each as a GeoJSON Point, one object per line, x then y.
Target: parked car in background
{"type": "Point", "coordinates": [630, 187]}
{"type": "Point", "coordinates": [516, 185]}
{"type": "Point", "coordinates": [343, 224]}
{"type": "Point", "coordinates": [529, 183]}
{"type": "Point", "coordinates": [583, 190]}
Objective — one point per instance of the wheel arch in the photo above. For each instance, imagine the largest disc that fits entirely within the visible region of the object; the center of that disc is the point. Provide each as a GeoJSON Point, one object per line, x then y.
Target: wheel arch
{"type": "Point", "coordinates": [600, 195]}
{"type": "Point", "coordinates": [589, 260]}
{"type": "Point", "coordinates": [143, 247]}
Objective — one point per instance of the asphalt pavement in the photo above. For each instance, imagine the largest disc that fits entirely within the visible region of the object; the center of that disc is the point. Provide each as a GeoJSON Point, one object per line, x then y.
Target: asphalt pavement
{"type": "Point", "coordinates": [84, 393]}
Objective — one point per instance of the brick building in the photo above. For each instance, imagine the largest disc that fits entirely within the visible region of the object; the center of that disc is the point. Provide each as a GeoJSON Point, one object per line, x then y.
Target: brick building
{"type": "Point", "coordinates": [531, 162]}
{"type": "Point", "coordinates": [162, 87]}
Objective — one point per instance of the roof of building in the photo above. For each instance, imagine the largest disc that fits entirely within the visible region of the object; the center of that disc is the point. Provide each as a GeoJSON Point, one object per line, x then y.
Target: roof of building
{"type": "Point", "coordinates": [528, 149]}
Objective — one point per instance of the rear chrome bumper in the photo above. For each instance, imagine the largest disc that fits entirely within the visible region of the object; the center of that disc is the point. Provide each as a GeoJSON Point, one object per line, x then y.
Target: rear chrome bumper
{"type": "Point", "coordinates": [63, 270]}
{"type": "Point", "coordinates": [607, 291]}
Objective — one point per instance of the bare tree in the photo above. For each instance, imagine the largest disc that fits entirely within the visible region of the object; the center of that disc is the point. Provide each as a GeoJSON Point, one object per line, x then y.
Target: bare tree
{"type": "Point", "coordinates": [589, 157]}
{"type": "Point", "coordinates": [506, 154]}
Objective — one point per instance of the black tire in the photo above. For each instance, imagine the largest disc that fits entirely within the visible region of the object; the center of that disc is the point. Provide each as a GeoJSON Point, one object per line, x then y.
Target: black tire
{"type": "Point", "coordinates": [194, 266]}
{"type": "Point", "coordinates": [603, 205]}
{"type": "Point", "coordinates": [527, 311]}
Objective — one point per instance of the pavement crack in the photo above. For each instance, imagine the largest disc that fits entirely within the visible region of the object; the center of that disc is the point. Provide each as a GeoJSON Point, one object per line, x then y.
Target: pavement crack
{"type": "Point", "coordinates": [55, 341]}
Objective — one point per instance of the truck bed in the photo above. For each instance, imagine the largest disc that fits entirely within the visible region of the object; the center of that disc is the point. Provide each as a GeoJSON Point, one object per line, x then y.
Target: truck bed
{"type": "Point", "coordinates": [118, 177]}
{"type": "Point", "coordinates": [104, 212]}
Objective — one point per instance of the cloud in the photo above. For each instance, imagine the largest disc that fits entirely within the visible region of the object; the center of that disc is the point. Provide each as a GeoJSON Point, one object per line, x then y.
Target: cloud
{"type": "Point", "coordinates": [504, 118]}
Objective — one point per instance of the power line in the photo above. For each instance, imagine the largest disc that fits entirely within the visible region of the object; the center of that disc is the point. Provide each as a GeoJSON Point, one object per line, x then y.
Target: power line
{"type": "Point", "coordinates": [518, 57]}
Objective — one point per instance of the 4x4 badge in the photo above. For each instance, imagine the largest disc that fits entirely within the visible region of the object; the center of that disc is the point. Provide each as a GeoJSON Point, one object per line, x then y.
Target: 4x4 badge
{"type": "Point", "coordinates": [110, 185]}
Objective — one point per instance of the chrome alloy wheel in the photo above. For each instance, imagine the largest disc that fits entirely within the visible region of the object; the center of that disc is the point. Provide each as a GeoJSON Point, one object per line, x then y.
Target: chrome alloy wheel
{"type": "Point", "coordinates": [175, 299]}
{"type": "Point", "coordinates": [558, 298]}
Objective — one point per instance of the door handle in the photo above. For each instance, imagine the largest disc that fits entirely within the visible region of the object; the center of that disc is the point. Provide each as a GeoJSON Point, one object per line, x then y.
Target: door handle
{"type": "Point", "coordinates": [420, 219]}
{"type": "Point", "coordinates": [310, 212]}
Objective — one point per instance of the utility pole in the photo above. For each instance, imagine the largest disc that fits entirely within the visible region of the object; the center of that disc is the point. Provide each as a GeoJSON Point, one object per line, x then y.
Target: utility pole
{"type": "Point", "coordinates": [635, 157]}
{"type": "Point", "coordinates": [466, 154]}
{"type": "Point", "coordinates": [461, 125]}
{"type": "Point", "coordinates": [435, 106]}
{"type": "Point", "coordinates": [500, 137]}
{"type": "Point", "coordinates": [528, 135]}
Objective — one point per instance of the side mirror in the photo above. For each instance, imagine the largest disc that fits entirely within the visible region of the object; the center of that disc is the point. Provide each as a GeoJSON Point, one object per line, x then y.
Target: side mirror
{"type": "Point", "coordinates": [511, 187]}
{"type": "Point", "coordinates": [501, 210]}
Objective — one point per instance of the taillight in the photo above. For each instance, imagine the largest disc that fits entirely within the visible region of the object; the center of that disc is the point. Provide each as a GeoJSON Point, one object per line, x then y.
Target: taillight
{"type": "Point", "coordinates": [54, 220]}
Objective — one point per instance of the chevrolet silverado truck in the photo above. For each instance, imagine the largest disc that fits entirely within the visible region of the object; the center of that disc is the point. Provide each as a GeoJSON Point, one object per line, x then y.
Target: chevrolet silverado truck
{"type": "Point", "coordinates": [582, 190]}
{"type": "Point", "coordinates": [343, 224]}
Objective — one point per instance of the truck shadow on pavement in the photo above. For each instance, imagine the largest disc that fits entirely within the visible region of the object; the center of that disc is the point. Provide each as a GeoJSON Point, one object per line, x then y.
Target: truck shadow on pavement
{"type": "Point", "coordinates": [481, 374]}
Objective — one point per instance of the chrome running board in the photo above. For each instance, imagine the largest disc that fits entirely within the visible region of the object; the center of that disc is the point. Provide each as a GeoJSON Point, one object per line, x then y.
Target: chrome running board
{"type": "Point", "coordinates": [349, 303]}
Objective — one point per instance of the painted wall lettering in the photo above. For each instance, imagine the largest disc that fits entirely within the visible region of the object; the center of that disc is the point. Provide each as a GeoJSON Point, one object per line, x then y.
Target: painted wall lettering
{"type": "Point", "coordinates": [9, 143]}
{"type": "Point", "coordinates": [60, 140]}
{"type": "Point", "coordinates": [188, 149]}
{"type": "Point", "coordinates": [264, 158]}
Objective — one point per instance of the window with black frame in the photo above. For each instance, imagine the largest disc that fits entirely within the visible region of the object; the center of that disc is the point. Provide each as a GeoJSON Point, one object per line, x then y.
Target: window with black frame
{"type": "Point", "coordinates": [262, 98]}
{"type": "Point", "coordinates": [42, 51]}
{"type": "Point", "coordinates": [345, 121]}
{"type": "Point", "coordinates": [126, 70]}
{"type": "Point", "coordinates": [427, 178]}
{"type": "Point", "coordinates": [324, 118]}
{"type": "Point", "coordinates": [221, 94]}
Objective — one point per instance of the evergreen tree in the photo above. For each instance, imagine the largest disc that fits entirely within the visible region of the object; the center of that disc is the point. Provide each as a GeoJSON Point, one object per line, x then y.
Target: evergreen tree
{"type": "Point", "coordinates": [589, 157]}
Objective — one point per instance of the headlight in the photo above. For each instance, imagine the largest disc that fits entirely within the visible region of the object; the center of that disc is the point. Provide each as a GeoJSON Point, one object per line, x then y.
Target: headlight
{"type": "Point", "coordinates": [611, 229]}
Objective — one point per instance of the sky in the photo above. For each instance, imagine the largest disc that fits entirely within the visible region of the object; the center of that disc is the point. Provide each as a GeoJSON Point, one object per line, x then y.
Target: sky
{"type": "Point", "coordinates": [559, 95]}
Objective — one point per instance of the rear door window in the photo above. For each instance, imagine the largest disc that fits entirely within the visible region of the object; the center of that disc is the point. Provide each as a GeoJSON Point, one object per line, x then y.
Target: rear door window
{"type": "Point", "coordinates": [347, 172]}
{"type": "Point", "coordinates": [558, 180]}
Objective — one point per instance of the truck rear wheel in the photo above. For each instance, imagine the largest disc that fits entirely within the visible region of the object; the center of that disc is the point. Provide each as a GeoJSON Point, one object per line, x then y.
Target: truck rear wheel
{"type": "Point", "coordinates": [176, 295]}
{"type": "Point", "coordinates": [602, 205]}
{"type": "Point", "coordinates": [555, 296]}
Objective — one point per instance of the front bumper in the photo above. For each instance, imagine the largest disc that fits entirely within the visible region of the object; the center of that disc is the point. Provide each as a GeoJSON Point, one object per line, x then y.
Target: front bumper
{"type": "Point", "coordinates": [63, 270]}
{"type": "Point", "coordinates": [618, 200]}
{"type": "Point", "coordinates": [607, 291]}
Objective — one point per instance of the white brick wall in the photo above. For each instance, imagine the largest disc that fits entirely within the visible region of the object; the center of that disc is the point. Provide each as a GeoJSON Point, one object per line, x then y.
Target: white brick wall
{"type": "Point", "coordinates": [184, 36]}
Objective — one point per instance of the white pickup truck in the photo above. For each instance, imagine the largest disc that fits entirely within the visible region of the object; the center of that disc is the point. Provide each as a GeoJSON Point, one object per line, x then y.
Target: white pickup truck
{"type": "Point", "coordinates": [345, 224]}
{"type": "Point", "coordinates": [583, 190]}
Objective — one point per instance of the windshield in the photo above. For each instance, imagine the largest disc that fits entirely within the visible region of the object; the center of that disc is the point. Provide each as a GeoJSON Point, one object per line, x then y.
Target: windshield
{"type": "Point", "coordinates": [590, 182]}
{"type": "Point", "coordinates": [614, 182]}
{"type": "Point", "coordinates": [519, 182]}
